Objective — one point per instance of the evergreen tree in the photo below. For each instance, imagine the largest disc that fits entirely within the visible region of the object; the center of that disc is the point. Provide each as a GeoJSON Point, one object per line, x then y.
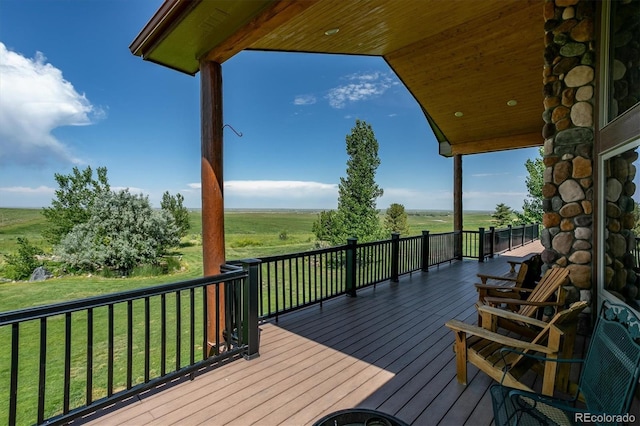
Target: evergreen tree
{"type": "Point", "coordinates": [357, 193]}
{"type": "Point", "coordinates": [74, 198]}
{"type": "Point", "coordinates": [396, 219]}
{"type": "Point", "coordinates": [503, 215]}
{"type": "Point", "coordinates": [173, 205]}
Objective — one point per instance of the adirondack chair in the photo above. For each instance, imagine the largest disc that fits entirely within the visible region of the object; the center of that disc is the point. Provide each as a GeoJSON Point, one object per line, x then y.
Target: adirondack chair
{"type": "Point", "coordinates": [548, 292]}
{"type": "Point", "coordinates": [610, 374]}
{"type": "Point", "coordinates": [483, 348]}
{"type": "Point", "coordinates": [502, 285]}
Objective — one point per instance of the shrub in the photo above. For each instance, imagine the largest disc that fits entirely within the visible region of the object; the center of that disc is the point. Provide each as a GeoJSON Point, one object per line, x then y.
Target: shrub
{"type": "Point", "coordinates": [21, 265]}
{"type": "Point", "coordinates": [122, 232]}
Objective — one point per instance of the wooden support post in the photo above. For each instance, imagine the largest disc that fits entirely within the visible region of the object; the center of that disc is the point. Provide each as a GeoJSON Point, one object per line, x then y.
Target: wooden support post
{"type": "Point", "coordinates": [213, 256]}
{"type": "Point", "coordinates": [457, 199]}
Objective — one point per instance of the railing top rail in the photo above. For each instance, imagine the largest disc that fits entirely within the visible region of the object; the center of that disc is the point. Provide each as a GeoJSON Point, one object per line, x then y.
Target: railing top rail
{"type": "Point", "coordinates": [37, 312]}
{"type": "Point", "coordinates": [302, 254]}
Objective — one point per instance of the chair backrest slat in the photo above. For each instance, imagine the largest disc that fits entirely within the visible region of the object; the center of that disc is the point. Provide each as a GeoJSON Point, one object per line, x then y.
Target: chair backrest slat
{"type": "Point", "coordinates": [548, 285]}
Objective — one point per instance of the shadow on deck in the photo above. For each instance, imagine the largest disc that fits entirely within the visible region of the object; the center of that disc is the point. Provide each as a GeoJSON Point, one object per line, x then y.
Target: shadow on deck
{"type": "Point", "coordinates": [386, 349]}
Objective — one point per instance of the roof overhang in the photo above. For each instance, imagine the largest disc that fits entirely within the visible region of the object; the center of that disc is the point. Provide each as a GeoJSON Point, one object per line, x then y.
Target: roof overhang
{"type": "Point", "coordinates": [465, 62]}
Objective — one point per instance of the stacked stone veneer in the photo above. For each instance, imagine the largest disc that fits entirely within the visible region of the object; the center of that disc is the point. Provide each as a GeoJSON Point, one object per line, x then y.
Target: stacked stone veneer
{"type": "Point", "coordinates": [568, 77]}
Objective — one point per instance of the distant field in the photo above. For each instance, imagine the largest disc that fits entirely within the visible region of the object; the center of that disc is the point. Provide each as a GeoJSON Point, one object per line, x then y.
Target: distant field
{"type": "Point", "coordinates": [248, 234]}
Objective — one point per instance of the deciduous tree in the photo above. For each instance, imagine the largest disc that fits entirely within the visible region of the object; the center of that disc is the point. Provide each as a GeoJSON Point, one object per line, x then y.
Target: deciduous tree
{"type": "Point", "coordinates": [532, 211]}
{"type": "Point", "coordinates": [74, 197]}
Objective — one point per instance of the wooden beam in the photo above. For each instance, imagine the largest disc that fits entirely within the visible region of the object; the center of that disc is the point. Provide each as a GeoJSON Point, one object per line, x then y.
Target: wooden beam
{"type": "Point", "coordinates": [272, 17]}
{"type": "Point", "coordinates": [527, 140]}
{"type": "Point", "coordinates": [213, 255]}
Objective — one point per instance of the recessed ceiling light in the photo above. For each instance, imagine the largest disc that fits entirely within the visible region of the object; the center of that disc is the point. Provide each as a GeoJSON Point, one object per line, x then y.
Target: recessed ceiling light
{"type": "Point", "coordinates": [332, 31]}
{"type": "Point", "coordinates": [458, 114]}
{"type": "Point", "coordinates": [512, 102]}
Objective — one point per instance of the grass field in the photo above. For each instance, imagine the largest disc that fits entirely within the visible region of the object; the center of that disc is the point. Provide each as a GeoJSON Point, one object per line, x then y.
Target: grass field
{"type": "Point", "coordinates": [248, 234]}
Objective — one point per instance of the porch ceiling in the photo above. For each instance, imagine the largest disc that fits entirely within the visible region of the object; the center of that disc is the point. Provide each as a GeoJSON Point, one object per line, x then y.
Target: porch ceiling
{"type": "Point", "coordinates": [467, 56]}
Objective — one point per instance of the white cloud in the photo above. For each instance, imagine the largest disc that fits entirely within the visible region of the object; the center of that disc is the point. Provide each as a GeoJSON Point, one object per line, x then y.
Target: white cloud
{"type": "Point", "coordinates": [361, 87]}
{"type": "Point", "coordinates": [27, 190]}
{"type": "Point", "coordinates": [279, 188]}
{"type": "Point", "coordinates": [304, 100]}
{"type": "Point", "coordinates": [35, 100]}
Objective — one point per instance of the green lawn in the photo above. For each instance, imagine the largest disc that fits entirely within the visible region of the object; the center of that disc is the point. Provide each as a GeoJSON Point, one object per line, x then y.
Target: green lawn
{"type": "Point", "coordinates": [248, 234]}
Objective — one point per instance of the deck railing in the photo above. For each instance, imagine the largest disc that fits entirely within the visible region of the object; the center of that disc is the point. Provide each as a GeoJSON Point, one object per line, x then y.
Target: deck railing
{"type": "Point", "coordinates": [289, 282]}
{"type": "Point", "coordinates": [106, 348]}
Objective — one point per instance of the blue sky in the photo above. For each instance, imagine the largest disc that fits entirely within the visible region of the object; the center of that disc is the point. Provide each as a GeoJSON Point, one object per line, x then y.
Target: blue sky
{"type": "Point", "coordinates": [71, 94]}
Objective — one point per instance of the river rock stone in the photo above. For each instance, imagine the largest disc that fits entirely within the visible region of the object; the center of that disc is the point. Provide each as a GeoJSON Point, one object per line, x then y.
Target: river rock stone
{"type": "Point", "coordinates": [582, 245]}
{"type": "Point", "coordinates": [583, 233]}
{"type": "Point", "coordinates": [550, 220]}
{"type": "Point", "coordinates": [570, 190]}
{"type": "Point", "coordinates": [582, 114]}
{"type": "Point", "coordinates": [40, 274]}
{"type": "Point", "coordinates": [617, 244]}
{"type": "Point", "coordinates": [568, 13]}
{"type": "Point", "coordinates": [579, 76]}
{"type": "Point", "coordinates": [561, 172]}
{"type": "Point", "coordinates": [559, 113]}
{"type": "Point", "coordinates": [614, 189]}
{"type": "Point", "coordinates": [562, 242]}
{"type": "Point", "coordinates": [580, 257]}
{"type": "Point", "coordinates": [574, 136]}
{"type": "Point", "coordinates": [583, 31]}
{"type": "Point", "coordinates": [584, 93]}
{"type": "Point", "coordinates": [580, 276]}
{"type": "Point", "coordinates": [549, 190]}
{"type": "Point", "coordinates": [581, 168]}
{"type": "Point", "coordinates": [571, 210]}
{"type": "Point", "coordinates": [573, 49]}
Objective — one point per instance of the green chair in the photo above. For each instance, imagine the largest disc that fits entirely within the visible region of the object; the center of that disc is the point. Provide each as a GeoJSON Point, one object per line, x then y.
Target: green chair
{"type": "Point", "coordinates": [607, 383]}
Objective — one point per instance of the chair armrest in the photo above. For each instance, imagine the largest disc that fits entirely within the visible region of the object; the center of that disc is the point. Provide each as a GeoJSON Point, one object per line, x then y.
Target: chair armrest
{"type": "Point", "coordinates": [484, 278]}
{"type": "Point", "coordinates": [511, 316]}
{"type": "Point", "coordinates": [474, 330]}
{"type": "Point", "coordinates": [495, 287]}
{"type": "Point", "coordinates": [497, 300]}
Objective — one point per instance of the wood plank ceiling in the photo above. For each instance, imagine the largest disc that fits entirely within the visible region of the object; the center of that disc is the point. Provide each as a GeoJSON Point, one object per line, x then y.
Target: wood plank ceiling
{"type": "Point", "coordinates": [463, 56]}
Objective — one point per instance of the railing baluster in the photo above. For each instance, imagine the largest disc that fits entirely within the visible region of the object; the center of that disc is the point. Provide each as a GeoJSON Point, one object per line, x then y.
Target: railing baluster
{"type": "Point", "coordinates": [205, 317]}
{"type": "Point", "coordinates": [147, 338]}
{"type": "Point", "coordinates": [129, 342]}
{"type": "Point", "coordinates": [179, 328]}
{"type": "Point", "coordinates": [42, 373]}
{"type": "Point", "coordinates": [163, 332]}
{"type": "Point", "coordinates": [192, 326]}
{"type": "Point", "coordinates": [110, 350]}
{"type": "Point", "coordinates": [13, 390]}
{"type": "Point", "coordinates": [89, 389]}
{"type": "Point", "coordinates": [67, 361]}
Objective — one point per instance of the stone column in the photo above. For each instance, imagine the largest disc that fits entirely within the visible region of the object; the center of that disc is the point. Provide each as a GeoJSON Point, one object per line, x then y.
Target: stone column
{"type": "Point", "coordinates": [568, 77]}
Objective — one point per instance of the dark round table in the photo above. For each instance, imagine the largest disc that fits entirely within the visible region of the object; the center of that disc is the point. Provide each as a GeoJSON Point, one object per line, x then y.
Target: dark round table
{"type": "Point", "coordinates": [359, 417]}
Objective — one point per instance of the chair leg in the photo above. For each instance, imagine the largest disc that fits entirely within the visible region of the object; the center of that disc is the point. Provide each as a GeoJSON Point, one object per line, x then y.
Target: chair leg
{"type": "Point", "coordinates": [461, 356]}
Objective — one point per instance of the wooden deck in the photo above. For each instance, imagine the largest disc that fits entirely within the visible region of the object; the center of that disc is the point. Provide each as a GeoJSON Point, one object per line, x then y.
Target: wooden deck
{"type": "Point", "coordinates": [386, 349]}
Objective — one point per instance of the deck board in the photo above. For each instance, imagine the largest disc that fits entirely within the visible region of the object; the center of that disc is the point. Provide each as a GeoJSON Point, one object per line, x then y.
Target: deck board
{"type": "Point", "coordinates": [386, 349]}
